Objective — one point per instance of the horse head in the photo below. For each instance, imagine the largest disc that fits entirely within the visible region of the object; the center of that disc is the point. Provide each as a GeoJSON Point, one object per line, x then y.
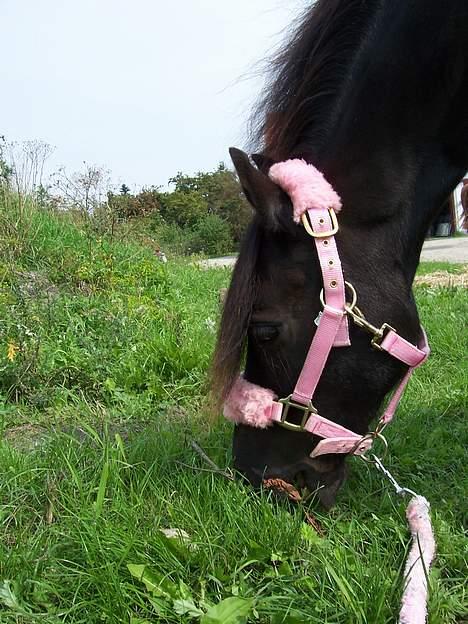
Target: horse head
{"type": "Point", "coordinates": [358, 93]}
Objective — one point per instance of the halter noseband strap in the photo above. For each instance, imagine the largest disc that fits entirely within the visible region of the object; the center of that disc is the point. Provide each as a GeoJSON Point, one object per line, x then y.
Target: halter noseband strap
{"type": "Point", "coordinates": [315, 203]}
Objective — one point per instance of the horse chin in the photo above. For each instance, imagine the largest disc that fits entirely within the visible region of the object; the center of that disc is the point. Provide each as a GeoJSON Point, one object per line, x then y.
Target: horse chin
{"type": "Point", "coordinates": [325, 477]}
{"type": "Point", "coordinates": [322, 478]}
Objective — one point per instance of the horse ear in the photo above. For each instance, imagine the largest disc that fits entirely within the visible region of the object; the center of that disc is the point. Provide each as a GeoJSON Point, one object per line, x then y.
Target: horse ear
{"type": "Point", "coordinates": [264, 195]}
{"type": "Point", "coordinates": [263, 162]}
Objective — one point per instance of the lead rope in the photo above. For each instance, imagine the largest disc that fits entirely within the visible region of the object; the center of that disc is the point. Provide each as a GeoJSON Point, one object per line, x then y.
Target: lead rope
{"type": "Point", "coordinates": [414, 599]}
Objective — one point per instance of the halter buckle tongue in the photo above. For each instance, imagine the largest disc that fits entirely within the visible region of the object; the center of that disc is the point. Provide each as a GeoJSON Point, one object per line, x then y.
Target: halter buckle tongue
{"type": "Point", "coordinates": [308, 410]}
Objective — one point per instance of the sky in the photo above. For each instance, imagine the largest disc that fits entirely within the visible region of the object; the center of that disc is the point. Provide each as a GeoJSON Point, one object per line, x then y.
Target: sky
{"type": "Point", "coordinates": [145, 88]}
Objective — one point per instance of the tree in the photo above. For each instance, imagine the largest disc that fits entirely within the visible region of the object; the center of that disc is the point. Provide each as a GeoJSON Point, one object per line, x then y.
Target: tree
{"type": "Point", "coordinates": [127, 206]}
{"type": "Point", "coordinates": [212, 236]}
{"type": "Point", "coordinates": [6, 171]}
{"type": "Point", "coordinates": [124, 189]}
{"type": "Point", "coordinates": [222, 195]}
{"type": "Point", "coordinates": [183, 208]}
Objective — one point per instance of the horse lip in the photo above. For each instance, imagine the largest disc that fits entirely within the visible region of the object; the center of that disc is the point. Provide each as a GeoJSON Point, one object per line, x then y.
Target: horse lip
{"type": "Point", "coordinates": [325, 484]}
{"type": "Point", "coordinates": [256, 476]}
{"type": "Point", "coordinates": [322, 476]}
{"type": "Point", "coordinates": [304, 476]}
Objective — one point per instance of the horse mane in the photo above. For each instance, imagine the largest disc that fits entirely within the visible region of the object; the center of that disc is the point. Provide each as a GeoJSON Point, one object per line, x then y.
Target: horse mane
{"type": "Point", "coordinates": [306, 76]}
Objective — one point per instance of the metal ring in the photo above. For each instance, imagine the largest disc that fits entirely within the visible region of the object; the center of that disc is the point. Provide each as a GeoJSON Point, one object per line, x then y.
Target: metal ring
{"type": "Point", "coordinates": [350, 306]}
{"type": "Point", "coordinates": [374, 436]}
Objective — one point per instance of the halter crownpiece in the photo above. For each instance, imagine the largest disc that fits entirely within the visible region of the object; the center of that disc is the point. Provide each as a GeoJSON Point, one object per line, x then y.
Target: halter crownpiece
{"type": "Point", "coordinates": [315, 203]}
{"type": "Point", "coordinates": [306, 186]}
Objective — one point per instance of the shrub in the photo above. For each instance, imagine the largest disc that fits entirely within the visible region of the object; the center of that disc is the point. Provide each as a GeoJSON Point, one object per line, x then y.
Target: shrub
{"type": "Point", "coordinates": [171, 237]}
{"type": "Point", "coordinates": [212, 236]}
{"type": "Point", "coordinates": [183, 208]}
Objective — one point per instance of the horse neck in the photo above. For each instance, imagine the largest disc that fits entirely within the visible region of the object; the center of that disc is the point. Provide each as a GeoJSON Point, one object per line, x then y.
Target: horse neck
{"type": "Point", "coordinates": [396, 141]}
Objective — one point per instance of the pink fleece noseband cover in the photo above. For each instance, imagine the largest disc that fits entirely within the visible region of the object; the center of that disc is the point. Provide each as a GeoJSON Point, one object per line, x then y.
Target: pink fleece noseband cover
{"type": "Point", "coordinates": [252, 405]}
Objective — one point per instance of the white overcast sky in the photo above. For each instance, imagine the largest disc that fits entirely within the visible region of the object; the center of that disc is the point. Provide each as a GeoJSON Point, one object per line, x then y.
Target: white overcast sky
{"type": "Point", "coordinates": [145, 87]}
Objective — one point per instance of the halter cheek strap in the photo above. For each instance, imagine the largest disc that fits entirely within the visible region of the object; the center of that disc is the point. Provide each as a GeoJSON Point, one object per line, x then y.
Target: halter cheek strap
{"type": "Point", "coordinates": [315, 203]}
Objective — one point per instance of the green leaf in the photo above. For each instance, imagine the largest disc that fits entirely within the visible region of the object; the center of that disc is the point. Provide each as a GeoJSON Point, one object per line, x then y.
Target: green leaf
{"type": "Point", "coordinates": [311, 536]}
{"type": "Point", "coordinates": [285, 569]}
{"type": "Point", "coordinates": [134, 620]}
{"type": "Point", "coordinates": [102, 489]}
{"type": "Point", "coordinates": [229, 611]}
{"type": "Point", "coordinates": [258, 553]}
{"type": "Point", "coordinates": [136, 570]}
{"type": "Point", "coordinates": [8, 597]}
{"type": "Point", "coordinates": [176, 547]}
{"type": "Point", "coordinates": [155, 583]}
{"type": "Point", "coordinates": [184, 591]}
{"type": "Point", "coordinates": [120, 446]}
{"type": "Point", "coordinates": [161, 606]}
{"type": "Point", "coordinates": [187, 607]}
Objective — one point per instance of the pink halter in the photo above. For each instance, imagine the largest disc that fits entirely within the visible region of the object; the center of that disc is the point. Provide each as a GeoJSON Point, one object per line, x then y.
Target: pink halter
{"type": "Point", "coordinates": [315, 203]}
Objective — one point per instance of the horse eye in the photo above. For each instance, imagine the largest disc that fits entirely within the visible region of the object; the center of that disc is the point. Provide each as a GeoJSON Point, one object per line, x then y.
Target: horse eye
{"type": "Point", "coordinates": [264, 332]}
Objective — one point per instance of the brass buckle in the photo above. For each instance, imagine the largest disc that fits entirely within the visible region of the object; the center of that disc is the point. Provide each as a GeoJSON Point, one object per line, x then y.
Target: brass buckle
{"type": "Point", "coordinates": [307, 409]}
{"type": "Point", "coordinates": [310, 231]}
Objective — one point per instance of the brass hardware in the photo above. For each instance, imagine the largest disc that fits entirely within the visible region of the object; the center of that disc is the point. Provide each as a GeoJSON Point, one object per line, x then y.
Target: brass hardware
{"type": "Point", "coordinates": [307, 409]}
{"type": "Point", "coordinates": [310, 231]}
{"type": "Point", "coordinates": [361, 321]}
{"type": "Point", "coordinates": [377, 340]}
{"type": "Point", "coordinates": [373, 436]}
{"type": "Point", "coordinates": [380, 426]}
{"type": "Point", "coordinates": [349, 306]}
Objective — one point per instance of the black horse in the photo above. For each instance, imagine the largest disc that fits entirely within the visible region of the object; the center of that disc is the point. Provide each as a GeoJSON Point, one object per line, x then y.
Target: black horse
{"type": "Point", "coordinates": [374, 94]}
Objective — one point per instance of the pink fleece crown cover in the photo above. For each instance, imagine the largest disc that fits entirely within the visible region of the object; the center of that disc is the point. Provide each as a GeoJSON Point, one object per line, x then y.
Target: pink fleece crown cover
{"type": "Point", "coordinates": [305, 185]}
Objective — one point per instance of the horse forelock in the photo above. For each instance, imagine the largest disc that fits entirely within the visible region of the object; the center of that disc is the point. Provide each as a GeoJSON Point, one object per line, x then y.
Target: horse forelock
{"type": "Point", "coordinates": [237, 311]}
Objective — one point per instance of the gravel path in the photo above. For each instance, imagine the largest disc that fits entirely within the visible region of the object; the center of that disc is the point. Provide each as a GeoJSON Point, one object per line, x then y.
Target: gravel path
{"type": "Point", "coordinates": [435, 249]}
{"type": "Point", "coordinates": [446, 250]}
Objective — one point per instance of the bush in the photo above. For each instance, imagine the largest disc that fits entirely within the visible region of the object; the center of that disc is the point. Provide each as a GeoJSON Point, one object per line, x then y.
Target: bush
{"type": "Point", "coordinates": [212, 236]}
{"type": "Point", "coordinates": [221, 193]}
{"type": "Point", "coordinates": [127, 206]}
{"type": "Point", "coordinates": [176, 239]}
{"type": "Point", "coordinates": [183, 208]}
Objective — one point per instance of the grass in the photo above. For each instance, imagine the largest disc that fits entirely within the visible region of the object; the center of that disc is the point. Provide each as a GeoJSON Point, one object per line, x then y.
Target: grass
{"type": "Point", "coordinates": [105, 389]}
{"type": "Point", "coordinates": [425, 268]}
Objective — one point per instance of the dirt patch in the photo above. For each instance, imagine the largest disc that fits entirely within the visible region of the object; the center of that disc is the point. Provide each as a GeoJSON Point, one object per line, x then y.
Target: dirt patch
{"type": "Point", "coordinates": [25, 437]}
{"type": "Point", "coordinates": [34, 284]}
{"type": "Point", "coordinates": [444, 279]}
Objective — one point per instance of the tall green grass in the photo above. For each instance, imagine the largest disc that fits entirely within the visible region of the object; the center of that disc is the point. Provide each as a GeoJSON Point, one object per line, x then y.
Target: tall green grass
{"type": "Point", "coordinates": [101, 320]}
{"type": "Point", "coordinates": [99, 404]}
